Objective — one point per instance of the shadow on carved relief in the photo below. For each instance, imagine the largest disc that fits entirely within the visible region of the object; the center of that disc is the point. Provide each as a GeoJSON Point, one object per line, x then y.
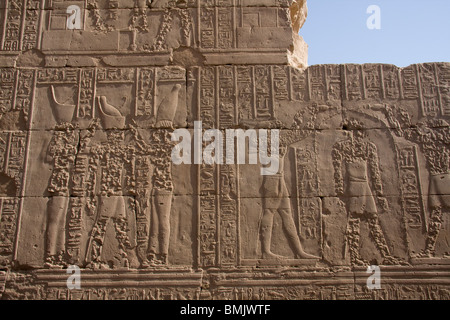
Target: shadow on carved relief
{"type": "Point", "coordinates": [8, 186]}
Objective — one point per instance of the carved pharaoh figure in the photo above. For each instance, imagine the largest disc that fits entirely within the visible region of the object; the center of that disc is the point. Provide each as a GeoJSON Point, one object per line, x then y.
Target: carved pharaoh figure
{"type": "Point", "coordinates": [159, 152]}
{"type": "Point", "coordinates": [276, 200]}
{"type": "Point", "coordinates": [61, 154]}
{"type": "Point", "coordinates": [356, 168]}
{"type": "Point", "coordinates": [112, 157]}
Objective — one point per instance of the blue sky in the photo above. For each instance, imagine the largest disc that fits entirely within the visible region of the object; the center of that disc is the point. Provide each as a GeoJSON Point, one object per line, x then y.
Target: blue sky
{"type": "Point", "coordinates": [412, 31]}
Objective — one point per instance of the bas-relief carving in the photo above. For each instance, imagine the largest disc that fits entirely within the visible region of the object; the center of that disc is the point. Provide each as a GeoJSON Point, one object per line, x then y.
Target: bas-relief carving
{"type": "Point", "coordinates": [355, 163]}
{"type": "Point", "coordinates": [63, 145]}
{"type": "Point", "coordinates": [324, 176]}
{"type": "Point", "coordinates": [86, 176]}
{"type": "Point", "coordinates": [67, 30]}
{"type": "Point", "coordinates": [92, 171]}
{"type": "Point", "coordinates": [341, 197]}
{"type": "Point", "coordinates": [431, 137]}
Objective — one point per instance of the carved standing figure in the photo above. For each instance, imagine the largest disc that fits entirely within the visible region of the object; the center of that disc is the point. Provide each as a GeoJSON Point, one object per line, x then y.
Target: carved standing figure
{"type": "Point", "coordinates": [61, 154]}
{"type": "Point", "coordinates": [159, 151]}
{"type": "Point", "coordinates": [433, 138]}
{"type": "Point", "coordinates": [111, 157]}
{"type": "Point", "coordinates": [276, 200]}
{"type": "Point", "coordinates": [356, 168]}
{"type": "Point", "coordinates": [162, 192]}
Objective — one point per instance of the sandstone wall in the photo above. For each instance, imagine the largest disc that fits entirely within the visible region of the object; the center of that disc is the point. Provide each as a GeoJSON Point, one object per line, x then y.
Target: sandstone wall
{"type": "Point", "coordinates": [86, 177]}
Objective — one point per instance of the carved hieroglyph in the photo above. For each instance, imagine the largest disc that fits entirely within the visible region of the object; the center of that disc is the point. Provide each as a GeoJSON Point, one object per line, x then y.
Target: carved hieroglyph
{"type": "Point", "coordinates": [91, 92]}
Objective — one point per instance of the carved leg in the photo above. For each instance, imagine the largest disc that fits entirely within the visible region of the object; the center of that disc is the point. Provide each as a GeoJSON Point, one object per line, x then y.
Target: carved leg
{"type": "Point", "coordinates": [291, 231]}
{"type": "Point", "coordinates": [353, 239]}
{"type": "Point", "coordinates": [433, 231]}
{"type": "Point", "coordinates": [266, 235]}
{"type": "Point", "coordinates": [120, 225]}
{"type": "Point", "coordinates": [163, 206]}
{"type": "Point", "coordinates": [154, 235]}
{"type": "Point", "coordinates": [56, 222]}
{"type": "Point", "coordinates": [98, 236]}
{"type": "Point", "coordinates": [378, 236]}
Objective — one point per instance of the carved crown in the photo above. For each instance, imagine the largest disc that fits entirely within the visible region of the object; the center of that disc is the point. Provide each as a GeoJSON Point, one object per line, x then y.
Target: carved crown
{"type": "Point", "coordinates": [168, 107]}
{"type": "Point", "coordinates": [63, 113]}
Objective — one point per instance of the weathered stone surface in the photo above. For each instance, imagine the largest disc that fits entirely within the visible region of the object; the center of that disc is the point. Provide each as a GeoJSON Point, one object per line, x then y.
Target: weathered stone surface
{"type": "Point", "coordinates": [87, 176]}
{"type": "Point", "coordinates": [156, 28]}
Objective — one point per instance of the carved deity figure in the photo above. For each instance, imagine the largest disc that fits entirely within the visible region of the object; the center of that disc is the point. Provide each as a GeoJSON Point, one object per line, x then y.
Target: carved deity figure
{"type": "Point", "coordinates": [276, 200]}
{"type": "Point", "coordinates": [61, 154]}
{"type": "Point", "coordinates": [74, 19]}
{"type": "Point", "coordinates": [357, 180]}
{"type": "Point", "coordinates": [83, 201]}
{"type": "Point", "coordinates": [159, 151]}
{"type": "Point", "coordinates": [111, 157]}
{"type": "Point", "coordinates": [433, 138]}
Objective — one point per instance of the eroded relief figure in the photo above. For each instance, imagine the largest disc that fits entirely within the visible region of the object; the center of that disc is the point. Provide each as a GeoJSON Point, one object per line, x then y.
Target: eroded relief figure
{"type": "Point", "coordinates": [112, 158]}
{"type": "Point", "coordinates": [358, 182]}
{"type": "Point", "coordinates": [172, 9]}
{"type": "Point", "coordinates": [97, 20]}
{"type": "Point", "coordinates": [159, 151]}
{"type": "Point", "coordinates": [84, 201]}
{"type": "Point", "coordinates": [433, 138]}
{"type": "Point", "coordinates": [61, 154]}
